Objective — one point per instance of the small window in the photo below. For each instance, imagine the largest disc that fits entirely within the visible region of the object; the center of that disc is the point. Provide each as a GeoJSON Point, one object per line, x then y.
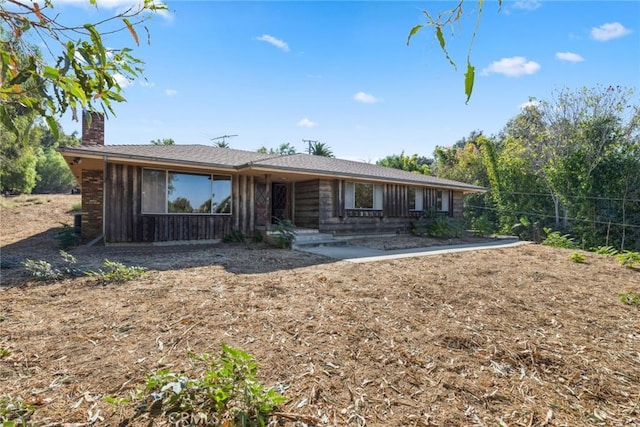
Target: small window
{"type": "Point", "coordinates": [359, 195]}
{"type": "Point", "coordinates": [442, 201]}
{"type": "Point", "coordinates": [185, 193]}
{"type": "Point", "coordinates": [415, 197]}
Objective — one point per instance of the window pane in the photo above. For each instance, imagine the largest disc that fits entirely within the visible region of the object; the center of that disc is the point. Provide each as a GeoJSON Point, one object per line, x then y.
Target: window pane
{"type": "Point", "coordinates": [419, 199]}
{"type": "Point", "coordinates": [411, 195]}
{"type": "Point", "coordinates": [221, 194]}
{"type": "Point", "coordinates": [445, 201]}
{"type": "Point", "coordinates": [377, 197]}
{"type": "Point", "coordinates": [363, 196]}
{"type": "Point", "coordinates": [349, 195]}
{"type": "Point", "coordinates": [154, 191]}
{"type": "Point", "coordinates": [188, 193]}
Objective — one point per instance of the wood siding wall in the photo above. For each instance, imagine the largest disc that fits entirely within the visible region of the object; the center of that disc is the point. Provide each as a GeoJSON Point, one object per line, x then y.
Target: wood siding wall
{"type": "Point", "coordinates": [124, 221]}
{"type": "Point", "coordinates": [307, 203]}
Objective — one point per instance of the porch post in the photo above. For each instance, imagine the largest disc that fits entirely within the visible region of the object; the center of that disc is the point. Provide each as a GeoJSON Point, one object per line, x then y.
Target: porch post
{"type": "Point", "coordinates": [268, 192]}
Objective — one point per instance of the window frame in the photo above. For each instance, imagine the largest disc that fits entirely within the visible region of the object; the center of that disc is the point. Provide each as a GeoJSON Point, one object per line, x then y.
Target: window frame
{"type": "Point", "coordinates": [441, 196]}
{"type": "Point", "coordinates": [418, 196]}
{"type": "Point", "coordinates": [166, 172]}
{"type": "Point", "coordinates": [377, 196]}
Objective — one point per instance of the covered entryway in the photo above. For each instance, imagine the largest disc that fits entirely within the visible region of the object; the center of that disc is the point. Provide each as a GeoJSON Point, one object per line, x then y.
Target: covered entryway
{"type": "Point", "coordinates": [280, 207]}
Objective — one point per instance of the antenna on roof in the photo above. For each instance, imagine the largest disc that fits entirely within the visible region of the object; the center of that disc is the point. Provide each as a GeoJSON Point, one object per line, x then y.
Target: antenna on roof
{"type": "Point", "coordinates": [222, 140]}
{"type": "Point", "coordinates": [310, 141]}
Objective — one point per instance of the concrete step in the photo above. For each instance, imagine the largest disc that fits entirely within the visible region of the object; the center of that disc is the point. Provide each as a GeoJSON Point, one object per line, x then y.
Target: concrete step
{"type": "Point", "coordinates": [310, 240]}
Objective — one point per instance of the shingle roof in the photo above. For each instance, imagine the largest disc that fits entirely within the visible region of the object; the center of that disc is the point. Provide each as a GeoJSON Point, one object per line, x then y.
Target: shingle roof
{"type": "Point", "coordinates": [228, 158]}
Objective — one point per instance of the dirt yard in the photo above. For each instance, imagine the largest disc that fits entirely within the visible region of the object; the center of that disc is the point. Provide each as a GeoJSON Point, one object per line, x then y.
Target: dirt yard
{"type": "Point", "coordinates": [512, 337]}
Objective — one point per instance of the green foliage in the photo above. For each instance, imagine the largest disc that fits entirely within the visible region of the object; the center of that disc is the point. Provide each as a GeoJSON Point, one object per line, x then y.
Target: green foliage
{"type": "Point", "coordinates": [17, 168]}
{"type": "Point", "coordinates": [14, 412]}
{"type": "Point", "coordinates": [222, 390]}
{"type": "Point", "coordinates": [258, 237]}
{"type": "Point", "coordinates": [76, 207]}
{"type": "Point", "coordinates": [318, 148]}
{"type": "Point", "coordinates": [414, 163]}
{"type": "Point", "coordinates": [117, 272]}
{"type": "Point", "coordinates": [578, 257]}
{"type": "Point", "coordinates": [164, 141]}
{"type": "Point", "coordinates": [285, 233]}
{"type": "Point", "coordinates": [284, 149]}
{"type": "Point", "coordinates": [4, 352]}
{"type": "Point", "coordinates": [45, 271]}
{"type": "Point", "coordinates": [111, 272]}
{"type": "Point", "coordinates": [629, 258]}
{"type": "Point", "coordinates": [482, 226]}
{"type": "Point", "coordinates": [631, 298]}
{"type": "Point", "coordinates": [605, 250]}
{"type": "Point", "coordinates": [236, 236]}
{"type": "Point", "coordinates": [68, 236]}
{"type": "Point", "coordinates": [433, 224]}
{"type": "Point", "coordinates": [82, 75]}
{"type": "Point", "coordinates": [450, 19]}
{"type": "Point", "coordinates": [557, 240]}
{"type": "Point", "coordinates": [54, 176]}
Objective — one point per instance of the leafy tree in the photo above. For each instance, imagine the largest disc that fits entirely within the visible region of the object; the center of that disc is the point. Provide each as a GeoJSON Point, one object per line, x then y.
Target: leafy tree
{"type": "Point", "coordinates": [448, 20]}
{"type": "Point", "coordinates": [84, 73]}
{"type": "Point", "coordinates": [221, 144]}
{"type": "Point", "coordinates": [164, 141]}
{"type": "Point", "coordinates": [414, 163]}
{"type": "Point", "coordinates": [284, 149]}
{"type": "Point", "coordinates": [320, 149]}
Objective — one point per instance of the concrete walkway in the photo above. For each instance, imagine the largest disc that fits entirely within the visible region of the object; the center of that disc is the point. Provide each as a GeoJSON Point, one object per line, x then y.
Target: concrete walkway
{"type": "Point", "coordinates": [358, 254]}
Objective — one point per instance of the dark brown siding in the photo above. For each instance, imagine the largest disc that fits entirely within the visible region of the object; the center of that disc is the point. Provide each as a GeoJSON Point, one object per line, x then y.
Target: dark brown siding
{"type": "Point", "coordinates": [92, 188]}
{"type": "Point", "coordinates": [124, 221]}
{"type": "Point", "coordinates": [458, 202]}
{"type": "Point", "coordinates": [307, 203]}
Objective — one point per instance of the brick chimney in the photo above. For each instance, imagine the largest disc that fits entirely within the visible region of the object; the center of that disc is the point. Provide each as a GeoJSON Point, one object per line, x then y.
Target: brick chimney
{"type": "Point", "coordinates": [92, 128]}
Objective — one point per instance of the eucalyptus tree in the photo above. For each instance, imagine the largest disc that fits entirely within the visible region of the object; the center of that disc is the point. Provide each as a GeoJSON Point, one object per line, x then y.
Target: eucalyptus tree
{"type": "Point", "coordinates": [78, 72]}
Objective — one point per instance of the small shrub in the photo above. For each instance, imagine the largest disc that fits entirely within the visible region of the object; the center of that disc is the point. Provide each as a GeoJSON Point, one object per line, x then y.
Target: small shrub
{"type": "Point", "coordinates": [285, 233]}
{"type": "Point", "coordinates": [481, 226]}
{"type": "Point", "coordinates": [578, 258]}
{"type": "Point", "coordinates": [45, 271]}
{"type": "Point", "coordinates": [117, 272]}
{"type": "Point", "coordinates": [631, 298]}
{"type": "Point", "coordinates": [76, 207]}
{"type": "Point", "coordinates": [605, 250]}
{"type": "Point", "coordinates": [223, 391]}
{"type": "Point", "coordinates": [14, 412]}
{"type": "Point", "coordinates": [68, 236]}
{"type": "Point", "coordinates": [236, 236]}
{"type": "Point", "coordinates": [557, 240]}
{"type": "Point", "coordinates": [629, 258]}
{"type": "Point", "coordinates": [433, 224]}
{"type": "Point", "coordinates": [258, 237]}
{"type": "Point", "coordinates": [4, 352]}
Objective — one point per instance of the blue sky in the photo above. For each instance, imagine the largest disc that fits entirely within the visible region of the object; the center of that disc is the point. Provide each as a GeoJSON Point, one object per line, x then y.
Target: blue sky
{"type": "Point", "coordinates": [340, 72]}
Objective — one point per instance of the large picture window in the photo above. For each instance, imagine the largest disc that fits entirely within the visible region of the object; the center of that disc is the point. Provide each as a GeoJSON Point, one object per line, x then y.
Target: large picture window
{"type": "Point", "coordinates": [359, 195]}
{"type": "Point", "coordinates": [415, 197]}
{"type": "Point", "coordinates": [185, 193]}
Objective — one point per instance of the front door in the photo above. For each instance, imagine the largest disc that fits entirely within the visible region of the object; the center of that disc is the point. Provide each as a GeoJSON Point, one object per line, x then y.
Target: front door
{"type": "Point", "coordinates": [279, 202]}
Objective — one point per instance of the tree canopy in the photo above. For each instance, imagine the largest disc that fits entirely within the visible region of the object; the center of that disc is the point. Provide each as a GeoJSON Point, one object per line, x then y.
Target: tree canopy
{"type": "Point", "coordinates": [76, 71]}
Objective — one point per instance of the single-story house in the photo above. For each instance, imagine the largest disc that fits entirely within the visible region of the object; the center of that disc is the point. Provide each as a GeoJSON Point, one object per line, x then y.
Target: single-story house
{"type": "Point", "coordinates": [151, 193]}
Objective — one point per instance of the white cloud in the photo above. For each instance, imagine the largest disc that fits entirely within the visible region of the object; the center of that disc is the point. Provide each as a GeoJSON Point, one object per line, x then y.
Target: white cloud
{"type": "Point", "coordinates": [120, 5]}
{"type": "Point", "coordinates": [569, 56]}
{"type": "Point", "coordinates": [306, 123]}
{"type": "Point", "coordinates": [609, 31]}
{"type": "Point", "coordinates": [274, 42]}
{"type": "Point", "coordinates": [529, 103]}
{"type": "Point", "coordinates": [365, 98]}
{"type": "Point", "coordinates": [122, 80]}
{"type": "Point", "coordinates": [170, 92]}
{"type": "Point", "coordinates": [512, 67]}
{"type": "Point", "coordinates": [526, 4]}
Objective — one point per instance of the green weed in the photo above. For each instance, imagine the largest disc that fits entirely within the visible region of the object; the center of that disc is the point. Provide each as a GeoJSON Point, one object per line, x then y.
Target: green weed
{"type": "Point", "coordinates": [605, 250]}
{"type": "Point", "coordinates": [223, 390]}
{"type": "Point", "coordinates": [578, 258]}
{"type": "Point", "coordinates": [631, 298]}
{"type": "Point", "coordinates": [557, 240]}
{"type": "Point", "coordinates": [629, 258]}
{"type": "Point", "coordinates": [236, 236]}
{"type": "Point", "coordinates": [117, 272]}
{"type": "Point", "coordinates": [285, 233]}
{"type": "Point", "coordinates": [14, 412]}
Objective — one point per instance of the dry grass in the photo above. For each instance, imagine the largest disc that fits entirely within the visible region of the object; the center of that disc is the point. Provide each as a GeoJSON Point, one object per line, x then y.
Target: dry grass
{"type": "Point", "coordinates": [517, 337]}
